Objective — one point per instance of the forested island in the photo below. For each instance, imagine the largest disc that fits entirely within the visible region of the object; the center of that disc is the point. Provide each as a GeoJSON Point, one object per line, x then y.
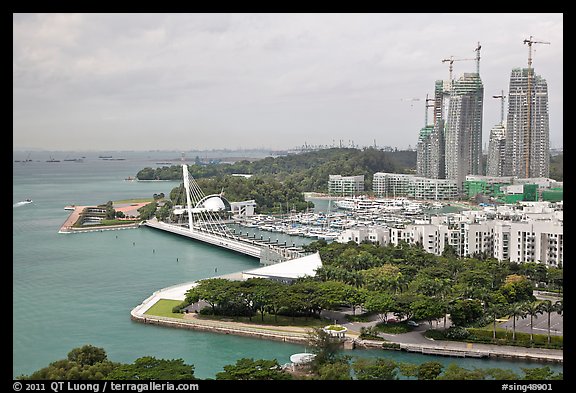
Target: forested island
{"type": "Point", "coordinates": [306, 171]}
{"type": "Point", "coordinates": [277, 184]}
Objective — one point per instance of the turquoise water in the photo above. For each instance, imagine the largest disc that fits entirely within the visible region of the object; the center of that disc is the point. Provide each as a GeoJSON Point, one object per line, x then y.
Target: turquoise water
{"type": "Point", "coordinates": [75, 289]}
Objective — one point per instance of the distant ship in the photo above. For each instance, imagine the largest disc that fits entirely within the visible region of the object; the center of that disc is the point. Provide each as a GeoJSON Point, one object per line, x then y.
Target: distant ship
{"type": "Point", "coordinates": [52, 160]}
{"type": "Point", "coordinates": [104, 156]}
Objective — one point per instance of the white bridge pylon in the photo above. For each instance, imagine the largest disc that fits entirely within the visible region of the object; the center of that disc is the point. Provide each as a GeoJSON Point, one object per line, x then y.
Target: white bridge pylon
{"type": "Point", "coordinates": [205, 224]}
{"type": "Point", "coordinates": [207, 217]}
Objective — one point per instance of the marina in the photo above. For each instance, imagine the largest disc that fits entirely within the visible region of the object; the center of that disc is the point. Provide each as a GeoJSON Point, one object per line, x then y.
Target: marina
{"type": "Point", "coordinates": [347, 213]}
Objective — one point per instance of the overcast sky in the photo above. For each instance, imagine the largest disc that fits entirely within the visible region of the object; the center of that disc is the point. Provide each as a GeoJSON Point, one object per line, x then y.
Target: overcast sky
{"type": "Point", "coordinates": [276, 81]}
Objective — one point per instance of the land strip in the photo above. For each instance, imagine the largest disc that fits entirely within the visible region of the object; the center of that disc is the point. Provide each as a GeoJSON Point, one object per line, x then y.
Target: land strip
{"type": "Point", "coordinates": [412, 342]}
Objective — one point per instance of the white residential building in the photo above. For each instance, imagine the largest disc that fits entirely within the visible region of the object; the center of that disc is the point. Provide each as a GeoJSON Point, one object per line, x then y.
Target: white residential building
{"type": "Point", "coordinates": [345, 185]}
{"type": "Point", "coordinates": [533, 233]}
{"type": "Point", "coordinates": [391, 185]}
{"type": "Point", "coordinates": [359, 235]}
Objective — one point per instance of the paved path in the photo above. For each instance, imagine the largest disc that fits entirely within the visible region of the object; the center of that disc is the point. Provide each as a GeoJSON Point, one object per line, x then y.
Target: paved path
{"type": "Point", "coordinates": [415, 339]}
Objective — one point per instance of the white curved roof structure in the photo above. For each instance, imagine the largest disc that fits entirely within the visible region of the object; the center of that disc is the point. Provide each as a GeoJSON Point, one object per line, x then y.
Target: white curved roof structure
{"type": "Point", "coordinates": [289, 270]}
{"type": "Point", "coordinates": [211, 203]}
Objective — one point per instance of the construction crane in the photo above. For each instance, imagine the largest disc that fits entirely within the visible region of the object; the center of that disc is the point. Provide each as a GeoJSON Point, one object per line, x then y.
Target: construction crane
{"type": "Point", "coordinates": [427, 105]}
{"type": "Point", "coordinates": [451, 60]}
{"type": "Point", "coordinates": [530, 42]}
{"type": "Point", "coordinates": [477, 50]}
{"type": "Point", "coordinates": [411, 100]}
{"type": "Point", "coordinates": [502, 97]}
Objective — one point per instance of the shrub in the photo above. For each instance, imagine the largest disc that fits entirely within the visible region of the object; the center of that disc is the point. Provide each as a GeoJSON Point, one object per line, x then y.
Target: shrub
{"type": "Point", "coordinates": [389, 345]}
{"type": "Point", "coordinates": [370, 333]}
{"type": "Point", "coordinates": [456, 333]}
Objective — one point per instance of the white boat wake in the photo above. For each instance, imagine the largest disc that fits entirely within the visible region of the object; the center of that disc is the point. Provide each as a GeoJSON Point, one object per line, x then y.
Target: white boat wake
{"type": "Point", "coordinates": [21, 203]}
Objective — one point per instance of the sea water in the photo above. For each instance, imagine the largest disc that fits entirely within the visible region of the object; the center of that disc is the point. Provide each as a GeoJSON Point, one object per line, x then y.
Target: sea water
{"type": "Point", "coordinates": [70, 290]}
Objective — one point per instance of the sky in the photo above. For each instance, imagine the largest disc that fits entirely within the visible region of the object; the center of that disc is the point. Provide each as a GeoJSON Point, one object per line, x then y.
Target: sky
{"type": "Point", "coordinates": [276, 81]}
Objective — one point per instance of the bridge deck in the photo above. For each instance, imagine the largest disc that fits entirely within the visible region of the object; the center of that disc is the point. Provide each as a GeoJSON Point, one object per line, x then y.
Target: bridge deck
{"type": "Point", "coordinates": [250, 247]}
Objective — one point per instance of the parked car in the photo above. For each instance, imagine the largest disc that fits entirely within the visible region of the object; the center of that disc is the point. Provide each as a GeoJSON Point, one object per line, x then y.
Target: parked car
{"type": "Point", "coordinates": [412, 323]}
{"type": "Point", "coordinates": [391, 320]}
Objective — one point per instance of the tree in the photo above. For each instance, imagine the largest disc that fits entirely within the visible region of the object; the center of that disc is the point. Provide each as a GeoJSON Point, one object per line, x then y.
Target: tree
{"type": "Point", "coordinates": [147, 211]}
{"type": "Point", "coordinates": [532, 310]}
{"type": "Point", "coordinates": [355, 297]}
{"type": "Point", "coordinates": [548, 307]}
{"type": "Point", "coordinates": [324, 346]}
{"type": "Point", "coordinates": [150, 368]}
{"type": "Point", "coordinates": [541, 374]}
{"type": "Point", "coordinates": [500, 374]}
{"type": "Point", "coordinates": [516, 310]}
{"type": "Point", "coordinates": [214, 291]}
{"type": "Point", "coordinates": [335, 371]}
{"type": "Point", "coordinates": [375, 369]}
{"type": "Point", "coordinates": [382, 278]}
{"type": "Point", "coordinates": [475, 282]}
{"type": "Point", "coordinates": [333, 294]}
{"type": "Point", "coordinates": [277, 298]}
{"type": "Point", "coordinates": [455, 372]}
{"type": "Point", "coordinates": [428, 309]}
{"type": "Point", "coordinates": [495, 310]}
{"type": "Point", "coordinates": [429, 370]}
{"type": "Point", "coordinates": [466, 311]}
{"type": "Point", "coordinates": [380, 303]}
{"type": "Point", "coordinates": [402, 304]}
{"type": "Point", "coordinates": [88, 355]}
{"type": "Point", "coordinates": [83, 363]}
{"type": "Point", "coordinates": [246, 369]}
{"type": "Point", "coordinates": [517, 288]}
{"type": "Point", "coordinates": [431, 286]}
{"type": "Point", "coordinates": [449, 252]}
{"type": "Point", "coordinates": [309, 296]}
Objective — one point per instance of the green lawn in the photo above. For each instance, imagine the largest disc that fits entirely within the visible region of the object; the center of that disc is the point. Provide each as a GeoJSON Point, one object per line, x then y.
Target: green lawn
{"type": "Point", "coordinates": [163, 308]}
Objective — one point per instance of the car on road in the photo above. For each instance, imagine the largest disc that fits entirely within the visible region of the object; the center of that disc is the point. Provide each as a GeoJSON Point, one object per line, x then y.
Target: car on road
{"type": "Point", "coordinates": [412, 323]}
{"type": "Point", "coordinates": [391, 320]}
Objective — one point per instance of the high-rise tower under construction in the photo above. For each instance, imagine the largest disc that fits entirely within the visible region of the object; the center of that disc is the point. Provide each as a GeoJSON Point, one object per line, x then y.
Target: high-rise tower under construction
{"type": "Point", "coordinates": [463, 147]}
{"type": "Point", "coordinates": [527, 128]}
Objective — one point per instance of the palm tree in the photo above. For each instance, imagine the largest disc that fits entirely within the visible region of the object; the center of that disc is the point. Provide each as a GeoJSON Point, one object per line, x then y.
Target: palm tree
{"type": "Point", "coordinates": [560, 307]}
{"type": "Point", "coordinates": [495, 310]}
{"type": "Point", "coordinates": [516, 310]}
{"type": "Point", "coordinates": [532, 309]}
{"type": "Point", "coordinates": [549, 307]}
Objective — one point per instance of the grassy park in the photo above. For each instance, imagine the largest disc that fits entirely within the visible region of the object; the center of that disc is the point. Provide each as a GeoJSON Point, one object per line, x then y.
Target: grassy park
{"type": "Point", "coordinates": [163, 308]}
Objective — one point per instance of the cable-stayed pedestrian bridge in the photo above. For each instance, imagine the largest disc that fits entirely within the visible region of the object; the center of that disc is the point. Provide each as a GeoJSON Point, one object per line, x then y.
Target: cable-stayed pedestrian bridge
{"type": "Point", "coordinates": [205, 223]}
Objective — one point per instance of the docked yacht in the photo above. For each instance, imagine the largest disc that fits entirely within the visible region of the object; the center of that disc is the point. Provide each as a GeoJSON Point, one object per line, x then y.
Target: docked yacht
{"type": "Point", "coordinates": [355, 203]}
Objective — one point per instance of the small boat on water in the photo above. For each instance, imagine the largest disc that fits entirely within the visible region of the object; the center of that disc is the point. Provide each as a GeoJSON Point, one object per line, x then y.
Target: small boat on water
{"type": "Point", "coordinates": [21, 203]}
